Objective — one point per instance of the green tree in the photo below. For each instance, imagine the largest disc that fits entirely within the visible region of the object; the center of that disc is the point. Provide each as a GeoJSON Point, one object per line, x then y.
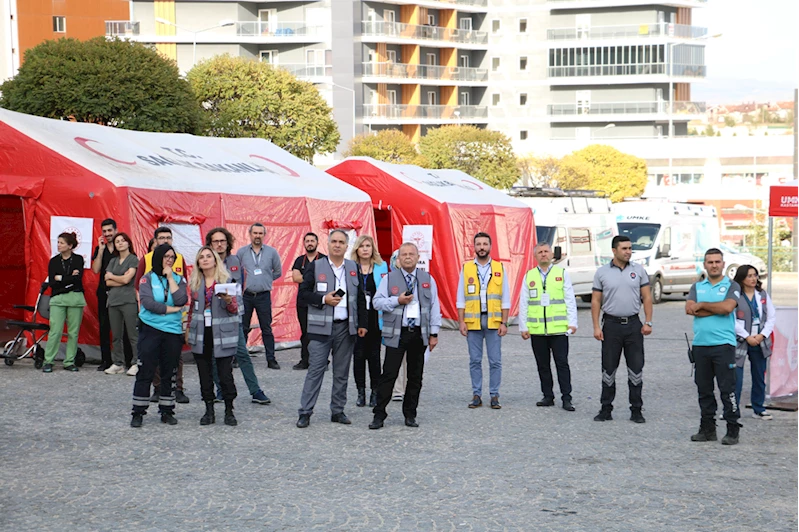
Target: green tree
{"type": "Point", "coordinates": [245, 98]}
{"type": "Point", "coordinates": [729, 121]}
{"type": "Point", "coordinates": [481, 153]}
{"type": "Point", "coordinates": [388, 145]}
{"type": "Point", "coordinates": [109, 82]}
{"type": "Point", "coordinates": [709, 131]}
{"type": "Point", "coordinates": [605, 169]}
{"type": "Point", "coordinates": [539, 171]}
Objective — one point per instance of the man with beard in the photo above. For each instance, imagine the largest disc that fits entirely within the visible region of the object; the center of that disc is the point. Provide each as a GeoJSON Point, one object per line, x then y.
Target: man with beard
{"type": "Point", "coordinates": [483, 304]}
{"type": "Point", "coordinates": [310, 243]}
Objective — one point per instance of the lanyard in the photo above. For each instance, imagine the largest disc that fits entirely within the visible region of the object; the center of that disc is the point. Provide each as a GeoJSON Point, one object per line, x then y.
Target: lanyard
{"type": "Point", "coordinates": [543, 277]}
{"type": "Point", "coordinates": [339, 280]}
{"type": "Point", "coordinates": [364, 276]}
{"type": "Point", "coordinates": [753, 306]}
{"type": "Point", "coordinates": [483, 282]}
{"type": "Point", "coordinates": [65, 264]}
{"type": "Point", "coordinates": [256, 258]}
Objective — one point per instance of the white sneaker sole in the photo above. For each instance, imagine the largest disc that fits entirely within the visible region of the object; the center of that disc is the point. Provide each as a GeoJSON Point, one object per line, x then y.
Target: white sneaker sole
{"type": "Point", "coordinates": [767, 417]}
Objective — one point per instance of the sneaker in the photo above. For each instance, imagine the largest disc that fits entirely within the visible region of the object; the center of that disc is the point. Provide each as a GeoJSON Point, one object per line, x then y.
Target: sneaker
{"type": "Point", "coordinates": [398, 398]}
{"type": "Point", "coordinates": [168, 418]}
{"type": "Point", "coordinates": [133, 370]}
{"type": "Point", "coordinates": [260, 398]}
{"type": "Point", "coordinates": [71, 367]}
{"type": "Point", "coordinates": [48, 368]}
{"type": "Point", "coordinates": [115, 369]}
{"type": "Point", "coordinates": [765, 416]}
{"type": "Point", "coordinates": [136, 421]}
{"type": "Point", "coordinates": [180, 397]}
{"type": "Point", "coordinates": [495, 402]}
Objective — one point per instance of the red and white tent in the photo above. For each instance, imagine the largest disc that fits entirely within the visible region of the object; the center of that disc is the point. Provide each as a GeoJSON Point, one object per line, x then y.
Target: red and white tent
{"type": "Point", "coordinates": [56, 175]}
{"type": "Point", "coordinates": [413, 203]}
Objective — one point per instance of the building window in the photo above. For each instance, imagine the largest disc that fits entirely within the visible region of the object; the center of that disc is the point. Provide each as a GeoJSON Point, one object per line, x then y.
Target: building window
{"type": "Point", "coordinates": [495, 26]}
{"type": "Point", "coordinates": [523, 134]}
{"type": "Point", "coordinates": [431, 20]}
{"type": "Point", "coordinates": [495, 99]}
{"type": "Point", "coordinates": [522, 25]}
{"type": "Point", "coordinates": [60, 24]}
{"type": "Point", "coordinates": [494, 64]}
{"type": "Point", "coordinates": [523, 63]}
{"type": "Point", "coordinates": [523, 98]}
{"type": "Point", "coordinates": [465, 24]}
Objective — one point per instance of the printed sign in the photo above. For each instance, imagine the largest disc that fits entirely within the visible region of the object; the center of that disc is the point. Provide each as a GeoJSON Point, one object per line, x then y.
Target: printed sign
{"type": "Point", "coordinates": [421, 235]}
{"type": "Point", "coordinates": [82, 227]}
{"type": "Point", "coordinates": [783, 362]}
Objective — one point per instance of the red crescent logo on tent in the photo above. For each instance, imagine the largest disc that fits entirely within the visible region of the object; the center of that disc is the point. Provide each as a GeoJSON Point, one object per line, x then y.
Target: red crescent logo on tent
{"type": "Point", "coordinates": [322, 277]}
{"type": "Point", "coordinates": [85, 143]}
{"type": "Point", "coordinates": [473, 184]}
{"type": "Point", "coordinates": [395, 290]}
{"type": "Point", "coordinates": [412, 179]}
{"type": "Point", "coordinates": [291, 172]}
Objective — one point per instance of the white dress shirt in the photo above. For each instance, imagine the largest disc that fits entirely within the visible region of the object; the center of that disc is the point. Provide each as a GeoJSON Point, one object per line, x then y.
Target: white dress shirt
{"type": "Point", "coordinates": [568, 295]}
{"type": "Point", "coordinates": [340, 312]}
{"type": "Point", "coordinates": [385, 303]}
{"type": "Point", "coordinates": [771, 319]}
{"type": "Point", "coordinates": [484, 273]}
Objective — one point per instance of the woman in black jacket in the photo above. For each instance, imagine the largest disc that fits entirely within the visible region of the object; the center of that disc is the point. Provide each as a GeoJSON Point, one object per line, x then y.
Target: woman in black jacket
{"type": "Point", "coordinates": [65, 275]}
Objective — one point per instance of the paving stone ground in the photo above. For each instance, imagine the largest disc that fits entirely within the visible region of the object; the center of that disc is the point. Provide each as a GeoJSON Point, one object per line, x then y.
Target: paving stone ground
{"type": "Point", "coordinates": [71, 462]}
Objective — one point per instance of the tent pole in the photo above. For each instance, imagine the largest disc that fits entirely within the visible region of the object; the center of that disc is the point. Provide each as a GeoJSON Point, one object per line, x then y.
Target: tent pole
{"type": "Point", "coordinates": [770, 251]}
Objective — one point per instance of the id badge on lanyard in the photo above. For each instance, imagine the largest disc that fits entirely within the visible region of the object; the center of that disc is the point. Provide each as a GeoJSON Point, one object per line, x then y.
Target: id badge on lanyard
{"type": "Point", "coordinates": [207, 315]}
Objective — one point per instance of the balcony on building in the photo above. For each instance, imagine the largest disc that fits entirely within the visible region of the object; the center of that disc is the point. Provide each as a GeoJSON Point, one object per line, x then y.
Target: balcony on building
{"type": "Point", "coordinates": [595, 4]}
{"type": "Point", "coordinates": [241, 32]}
{"type": "Point", "coordinates": [464, 6]}
{"type": "Point", "coordinates": [399, 33]}
{"type": "Point", "coordinates": [405, 73]}
{"type": "Point", "coordinates": [121, 28]}
{"type": "Point", "coordinates": [307, 72]}
{"type": "Point", "coordinates": [626, 111]}
{"type": "Point", "coordinates": [424, 114]}
{"type": "Point", "coordinates": [662, 31]}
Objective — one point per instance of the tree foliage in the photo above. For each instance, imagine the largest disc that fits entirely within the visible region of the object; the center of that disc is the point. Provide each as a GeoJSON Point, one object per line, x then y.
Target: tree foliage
{"type": "Point", "coordinates": [244, 98]}
{"type": "Point", "coordinates": [388, 145]}
{"type": "Point", "coordinates": [481, 153]}
{"type": "Point", "coordinates": [539, 171]}
{"type": "Point", "coordinates": [109, 82]}
{"type": "Point", "coordinates": [603, 168]}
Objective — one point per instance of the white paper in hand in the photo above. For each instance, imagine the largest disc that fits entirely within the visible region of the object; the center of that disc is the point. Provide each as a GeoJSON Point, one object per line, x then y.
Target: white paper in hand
{"type": "Point", "coordinates": [426, 355]}
{"type": "Point", "coordinates": [230, 289]}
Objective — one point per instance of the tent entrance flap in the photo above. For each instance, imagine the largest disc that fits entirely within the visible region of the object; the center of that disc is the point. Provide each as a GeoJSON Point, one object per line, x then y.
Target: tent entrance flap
{"type": "Point", "coordinates": [383, 230]}
{"type": "Point", "coordinates": [12, 262]}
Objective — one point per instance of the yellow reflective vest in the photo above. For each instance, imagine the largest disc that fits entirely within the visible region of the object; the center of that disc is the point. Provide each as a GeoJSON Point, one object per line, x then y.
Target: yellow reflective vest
{"type": "Point", "coordinates": [177, 267]}
{"type": "Point", "coordinates": [553, 318]}
{"type": "Point", "coordinates": [471, 292]}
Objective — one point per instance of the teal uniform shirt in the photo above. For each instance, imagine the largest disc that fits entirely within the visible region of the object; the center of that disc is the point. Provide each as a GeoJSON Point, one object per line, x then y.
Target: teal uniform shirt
{"type": "Point", "coordinates": [718, 329]}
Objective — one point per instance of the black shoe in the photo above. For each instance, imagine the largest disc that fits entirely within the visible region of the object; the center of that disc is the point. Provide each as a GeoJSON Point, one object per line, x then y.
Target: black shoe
{"type": "Point", "coordinates": [137, 420]}
{"type": "Point", "coordinates": [304, 421]}
{"type": "Point", "coordinates": [272, 364]}
{"type": "Point", "coordinates": [733, 431]}
{"type": "Point", "coordinates": [707, 431]}
{"type": "Point", "coordinates": [373, 399]}
{"type": "Point", "coordinates": [210, 417]}
{"type": "Point", "coordinates": [340, 418]}
{"type": "Point", "coordinates": [476, 402]}
{"type": "Point", "coordinates": [361, 401]}
{"type": "Point", "coordinates": [636, 417]}
{"type": "Point", "coordinates": [376, 424]}
{"type": "Point", "coordinates": [102, 367]}
{"type": "Point", "coordinates": [71, 368]}
{"type": "Point", "coordinates": [411, 422]}
{"type": "Point", "coordinates": [230, 419]}
{"type": "Point", "coordinates": [495, 402]}
{"type": "Point", "coordinates": [300, 365]}
{"type": "Point", "coordinates": [604, 415]}
{"type": "Point", "coordinates": [545, 402]}
{"type": "Point", "coordinates": [180, 397]}
{"type": "Point", "coordinates": [567, 405]}
{"type": "Point", "coordinates": [154, 397]}
{"type": "Point", "coordinates": [168, 418]}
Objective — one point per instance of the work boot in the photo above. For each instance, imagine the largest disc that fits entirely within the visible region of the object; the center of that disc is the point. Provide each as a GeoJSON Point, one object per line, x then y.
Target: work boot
{"type": "Point", "coordinates": [373, 399]}
{"type": "Point", "coordinates": [230, 419]}
{"type": "Point", "coordinates": [210, 417]}
{"type": "Point", "coordinates": [361, 397]}
{"type": "Point", "coordinates": [731, 438]}
{"type": "Point", "coordinates": [604, 415]}
{"type": "Point", "coordinates": [168, 418]}
{"type": "Point", "coordinates": [636, 416]}
{"type": "Point", "coordinates": [136, 422]}
{"type": "Point", "coordinates": [707, 431]}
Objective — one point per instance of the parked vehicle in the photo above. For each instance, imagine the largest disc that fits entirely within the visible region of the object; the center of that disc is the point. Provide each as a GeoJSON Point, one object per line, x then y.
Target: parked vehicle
{"type": "Point", "coordinates": [669, 240]}
{"type": "Point", "coordinates": [579, 225]}
{"type": "Point", "coordinates": [734, 258]}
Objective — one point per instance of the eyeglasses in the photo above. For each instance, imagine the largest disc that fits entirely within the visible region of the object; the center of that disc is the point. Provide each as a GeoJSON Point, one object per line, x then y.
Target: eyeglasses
{"type": "Point", "coordinates": [164, 238]}
{"type": "Point", "coordinates": [223, 241]}
{"type": "Point", "coordinates": [169, 257]}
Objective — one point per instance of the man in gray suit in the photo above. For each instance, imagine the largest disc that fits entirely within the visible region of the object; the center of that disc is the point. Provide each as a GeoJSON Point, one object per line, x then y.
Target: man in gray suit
{"type": "Point", "coordinates": [336, 313]}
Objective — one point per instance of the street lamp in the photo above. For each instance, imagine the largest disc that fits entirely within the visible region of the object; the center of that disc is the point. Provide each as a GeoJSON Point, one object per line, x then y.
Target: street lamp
{"type": "Point", "coordinates": [222, 24]}
{"type": "Point", "coordinates": [354, 113]}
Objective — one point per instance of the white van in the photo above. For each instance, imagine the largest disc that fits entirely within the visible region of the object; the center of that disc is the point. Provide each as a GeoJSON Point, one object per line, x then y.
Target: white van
{"type": "Point", "coordinates": [579, 225]}
{"type": "Point", "coordinates": [669, 240]}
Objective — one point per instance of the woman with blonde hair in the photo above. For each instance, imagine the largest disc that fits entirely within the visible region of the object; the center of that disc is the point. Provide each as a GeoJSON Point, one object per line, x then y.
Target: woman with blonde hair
{"type": "Point", "coordinates": [371, 270]}
{"type": "Point", "coordinates": [213, 331]}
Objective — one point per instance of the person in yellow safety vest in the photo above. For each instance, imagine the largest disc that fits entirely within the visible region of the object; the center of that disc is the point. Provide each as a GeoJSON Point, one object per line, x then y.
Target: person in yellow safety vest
{"type": "Point", "coordinates": [548, 315]}
{"type": "Point", "coordinates": [483, 303]}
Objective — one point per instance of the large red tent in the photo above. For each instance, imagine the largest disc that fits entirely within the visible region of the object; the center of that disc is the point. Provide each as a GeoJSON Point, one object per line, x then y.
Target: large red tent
{"type": "Point", "coordinates": [65, 174]}
{"type": "Point", "coordinates": [456, 206]}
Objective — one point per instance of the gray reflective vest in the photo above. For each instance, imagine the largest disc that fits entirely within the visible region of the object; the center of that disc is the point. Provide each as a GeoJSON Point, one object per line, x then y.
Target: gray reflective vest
{"type": "Point", "coordinates": [392, 321]}
{"type": "Point", "coordinates": [320, 320]}
{"type": "Point", "coordinates": [233, 265]}
{"type": "Point", "coordinates": [224, 326]}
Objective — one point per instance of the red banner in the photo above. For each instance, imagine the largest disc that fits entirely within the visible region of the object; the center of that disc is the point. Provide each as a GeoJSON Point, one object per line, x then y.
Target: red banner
{"type": "Point", "coordinates": [783, 201]}
{"type": "Point", "coordinates": [783, 364]}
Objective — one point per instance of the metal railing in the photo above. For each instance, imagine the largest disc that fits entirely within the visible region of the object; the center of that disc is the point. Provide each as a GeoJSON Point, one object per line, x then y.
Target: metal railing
{"type": "Point", "coordinates": [425, 112]}
{"type": "Point", "coordinates": [589, 1]}
{"type": "Point", "coordinates": [303, 70]}
{"type": "Point", "coordinates": [680, 31]}
{"type": "Point", "coordinates": [624, 108]}
{"type": "Point", "coordinates": [121, 28]}
{"type": "Point", "coordinates": [641, 69]}
{"type": "Point", "coordinates": [426, 33]}
{"type": "Point", "coordinates": [401, 70]}
{"type": "Point", "coordinates": [276, 29]}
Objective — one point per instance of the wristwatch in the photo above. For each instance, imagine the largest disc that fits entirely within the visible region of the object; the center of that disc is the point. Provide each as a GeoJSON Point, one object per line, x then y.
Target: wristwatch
{"type": "Point", "coordinates": [434, 335]}
{"type": "Point", "coordinates": [503, 323]}
{"type": "Point", "coordinates": [648, 323]}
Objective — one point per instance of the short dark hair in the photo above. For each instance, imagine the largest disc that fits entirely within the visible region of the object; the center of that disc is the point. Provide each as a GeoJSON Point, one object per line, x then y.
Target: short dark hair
{"type": "Point", "coordinates": [342, 231]}
{"type": "Point", "coordinates": [482, 235]}
{"type": "Point", "coordinates": [162, 229]}
{"type": "Point", "coordinates": [127, 239]}
{"type": "Point", "coordinates": [71, 239]}
{"type": "Point", "coordinates": [108, 221]}
{"type": "Point", "coordinates": [714, 251]}
{"type": "Point", "coordinates": [619, 238]}
{"type": "Point", "coordinates": [228, 236]}
{"type": "Point", "coordinates": [150, 246]}
{"type": "Point", "coordinates": [743, 272]}
{"type": "Point", "coordinates": [311, 234]}
{"type": "Point", "coordinates": [257, 224]}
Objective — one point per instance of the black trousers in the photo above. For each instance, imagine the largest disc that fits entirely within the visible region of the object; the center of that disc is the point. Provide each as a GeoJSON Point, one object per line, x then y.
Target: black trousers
{"type": "Point", "coordinates": [411, 346]}
{"type": "Point", "coordinates": [558, 345]}
{"type": "Point", "coordinates": [105, 328]}
{"type": "Point", "coordinates": [302, 317]}
{"type": "Point", "coordinates": [261, 304]}
{"type": "Point", "coordinates": [156, 349]}
{"type": "Point", "coordinates": [716, 361]}
{"type": "Point", "coordinates": [628, 338]}
{"type": "Point", "coordinates": [205, 369]}
{"type": "Point", "coordinates": [367, 349]}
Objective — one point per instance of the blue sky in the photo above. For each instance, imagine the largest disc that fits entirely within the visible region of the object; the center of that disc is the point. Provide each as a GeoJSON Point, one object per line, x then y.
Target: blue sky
{"type": "Point", "coordinates": [756, 56]}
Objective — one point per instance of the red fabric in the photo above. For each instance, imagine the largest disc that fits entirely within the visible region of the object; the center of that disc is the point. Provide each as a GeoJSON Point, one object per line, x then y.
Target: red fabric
{"type": "Point", "coordinates": [783, 201]}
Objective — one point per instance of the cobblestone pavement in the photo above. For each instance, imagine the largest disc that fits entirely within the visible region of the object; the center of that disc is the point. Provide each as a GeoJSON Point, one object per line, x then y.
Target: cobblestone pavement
{"type": "Point", "coordinates": [72, 462]}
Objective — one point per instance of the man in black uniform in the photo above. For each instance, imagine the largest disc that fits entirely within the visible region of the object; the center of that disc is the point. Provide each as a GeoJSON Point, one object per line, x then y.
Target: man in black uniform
{"type": "Point", "coordinates": [310, 242]}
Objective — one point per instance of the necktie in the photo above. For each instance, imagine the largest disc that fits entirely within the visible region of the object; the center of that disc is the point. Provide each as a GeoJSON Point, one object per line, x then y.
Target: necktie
{"type": "Point", "coordinates": [409, 282]}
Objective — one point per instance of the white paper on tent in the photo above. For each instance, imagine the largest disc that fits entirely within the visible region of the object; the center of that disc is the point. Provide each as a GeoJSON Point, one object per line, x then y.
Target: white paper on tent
{"type": "Point", "coordinates": [231, 289]}
{"type": "Point", "coordinates": [82, 227]}
{"type": "Point", "coordinates": [422, 236]}
{"type": "Point", "coordinates": [186, 240]}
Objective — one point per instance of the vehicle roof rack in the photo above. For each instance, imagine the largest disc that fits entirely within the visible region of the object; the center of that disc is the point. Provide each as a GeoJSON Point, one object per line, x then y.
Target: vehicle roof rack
{"type": "Point", "coordinates": [551, 192]}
